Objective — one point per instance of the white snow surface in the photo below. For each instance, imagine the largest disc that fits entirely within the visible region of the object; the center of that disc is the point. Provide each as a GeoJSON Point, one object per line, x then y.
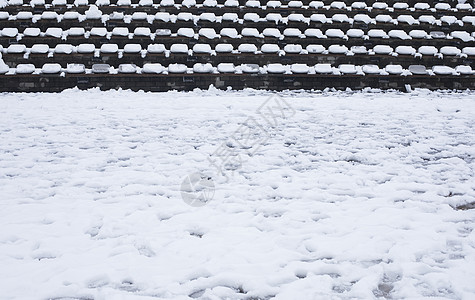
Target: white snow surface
{"type": "Point", "coordinates": [348, 198]}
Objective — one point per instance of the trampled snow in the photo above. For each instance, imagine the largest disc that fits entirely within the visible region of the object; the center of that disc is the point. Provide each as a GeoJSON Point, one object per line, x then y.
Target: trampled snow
{"type": "Point", "coordinates": [350, 196]}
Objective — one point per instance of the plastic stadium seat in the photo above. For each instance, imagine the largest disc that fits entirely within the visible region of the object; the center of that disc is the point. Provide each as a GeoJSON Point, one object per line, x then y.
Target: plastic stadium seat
{"type": "Point", "coordinates": [400, 5]}
{"type": "Point", "coordinates": [229, 32]}
{"type": "Point", "coordinates": [371, 69]}
{"type": "Point", "coordinates": [251, 17]}
{"type": "Point", "coordinates": [271, 32]}
{"type": "Point", "coordinates": [464, 70]}
{"type": "Point", "coordinates": [86, 48]}
{"type": "Point", "coordinates": [316, 4]}
{"type": "Point", "coordinates": [359, 50]}
{"type": "Point", "coordinates": [127, 68]}
{"type": "Point", "coordinates": [428, 50]}
{"type": "Point", "coordinates": [275, 68]}
{"type": "Point", "coordinates": [142, 31]}
{"type": "Point", "coordinates": [347, 69]}
{"type": "Point", "coordinates": [177, 68]}
{"type": "Point", "coordinates": [39, 49]}
{"type": "Point", "coordinates": [186, 32]}
{"type": "Point", "coordinates": [338, 5]}
{"type": "Point", "coordinates": [323, 68]}
{"type": "Point", "coordinates": [405, 50]}
{"type": "Point", "coordinates": [383, 18]}
{"type": "Point", "coordinates": [418, 70]}
{"type": "Point", "coordinates": [355, 33]}
{"type": "Point", "coordinates": [293, 49]}
{"type": "Point", "coordinates": [273, 4]}
{"type": "Point", "coordinates": [319, 18]}
{"type": "Point", "coordinates": [358, 5]}
{"type": "Point", "coordinates": [398, 34]}
{"type": "Point", "coordinates": [203, 68]}
{"type": "Point", "coordinates": [231, 3]}
{"type": "Point", "coordinates": [418, 34]}
{"type": "Point", "coordinates": [462, 35]}
{"type": "Point", "coordinates": [156, 48]}
{"type": "Point", "coordinates": [75, 68]}
{"type": "Point", "coordinates": [253, 4]}
{"type": "Point", "coordinates": [427, 19]}
{"type": "Point", "coordinates": [179, 49]}
{"type": "Point", "coordinates": [314, 32]}
{"type": "Point", "coordinates": [223, 48]}
{"type": "Point", "coordinates": [377, 33]}
{"type": "Point", "coordinates": [230, 17]}
{"type": "Point", "coordinates": [247, 48]}
{"type": "Point", "coordinates": [132, 48]}
{"type": "Point", "coordinates": [450, 50]}
{"type": "Point", "coordinates": [25, 69]}
{"type": "Point", "coordinates": [422, 6]}
{"type": "Point", "coordinates": [338, 49]}
{"type": "Point", "coordinates": [98, 31]}
{"type": "Point", "coordinates": [63, 49]}
{"type": "Point", "coordinates": [335, 33]}
{"type": "Point", "coordinates": [295, 4]}
{"type": "Point", "coordinates": [109, 48]}
{"type": "Point", "coordinates": [250, 68]}
{"type": "Point", "coordinates": [382, 49]}
{"type": "Point", "coordinates": [120, 31]}
{"type": "Point", "coordinates": [51, 68]}
{"type": "Point", "coordinates": [363, 19]}
{"type": "Point", "coordinates": [202, 49]}
{"type": "Point", "coordinates": [226, 68]}
{"type": "Point", "coordinates": [292, 32]}
{"type": "Point", "coordinates": [153, 68]}
{"type": "Point", "coordinates": [443, 70]}
{"type": "Point", "coordinates": [270, 48]}
{"type": "Point", "coordinates": [9, 32]}
{"type": "Point", "coordinates": [380, 5]}
{"type": "Point", "coordinates": [250, 32]}
{"type": "Point", "coordinates": [16, 49]}
{"type": "Point", "coordinates": [208, 33]}
{"type": "Point", "coordinates": [470, 51]}
{"type": "Point", "coordinates": [100, 68]}
{"type": "Point", "coordinates": [394, 69]}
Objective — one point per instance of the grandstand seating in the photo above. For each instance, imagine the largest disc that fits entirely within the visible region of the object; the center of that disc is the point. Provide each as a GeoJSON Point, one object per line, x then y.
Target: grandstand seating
{"type": "Point", "coordinates": [50, 45]}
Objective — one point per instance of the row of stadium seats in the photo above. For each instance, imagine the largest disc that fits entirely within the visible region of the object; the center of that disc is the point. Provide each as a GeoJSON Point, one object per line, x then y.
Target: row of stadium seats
{"type": "Point", "coordinates": [275, 68]}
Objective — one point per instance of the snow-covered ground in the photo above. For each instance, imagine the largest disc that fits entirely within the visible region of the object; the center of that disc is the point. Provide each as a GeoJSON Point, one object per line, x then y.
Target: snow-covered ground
{"type": "Point", "coordinates": [350, 196]}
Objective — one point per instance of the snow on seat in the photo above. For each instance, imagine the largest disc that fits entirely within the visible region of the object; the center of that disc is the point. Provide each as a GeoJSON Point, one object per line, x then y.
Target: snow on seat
{"type": "Point", "coordinates": [315, 49]}
{"type": "Point", "coordinates": [120, 31]}
{"type": "Point", "coordinates": [202, 49]}
{"type": "Point", "coordinates": [316, 4]}
{"type": "Point", "coordinates": [139, 16]}
{"type": "Point", "coordinates": [297, 18]}
{"type": "Point", "coordinates": [341, 18]}
{"type": "Point", "coordinates": [371, 69]}
{"type": "Point", "coordinates": [49, 15]}
{"type": "Point", "coordinates": [9, 32]}
{"type": "Point", "coordinates": [177, 68]}
{"type": "Point", "coordinates": [54, 32]}
{"type": "Point", "coordinates": [226, 68]}
{"type": "Point", "coordinates": [102, 2]}
{"type": "Point", "coordinates": [314, 32]}
{"type": "Point", "coordinates": [443, 70]}
{"type": "Point", "coordinates": [323, 68]}
{"type": "Point", "coordinates": [207, 16]}
{"type": "Point", "coordinates": [75, 68]}
{"type": "Point", "coordinates": [229, 32]}
{"type": "Point", "coordinates": [274, 17]}
{"type": "Point", "coordinates": [86, 48]}
{"type": "Point", "coordinates": [359, 5]}
{"type": "Point", "coordinates": [208, 33]}
{"type": "Point", "coordinates": [442, 6]}
{"type": "Point", "coordinates": [34, 3]}
{"type": "Point", "coordinates": [156, 48]}
{"type": "Point", "coordinates": [273, 4]}
{"type": "Point", "coordinates": [394, 69]}
{"type": "Point", "coordinates": [401, 5]}
{"type": "Point", "coordinates": [295, 4]}
{"type": "Point", "coordinates": [162, 17]}
{"type": "Point", "coordinates": [338, 5]}
{"type": "Point", "coordinates": [51, 68]}
{"type": "Point", "coordinates": [24, 15]}
{"type": "Point", "coordinates": [469, 20]}
{"type": "Point", "coordinates": [16, 49]}
{"type": "Point", "coordinates": [153, 68]}
{"type": "Point", "coordinates": [98, 31]}
{"type": "Point", "coordinates": [79, 3]}
{"type": "Point", "coordinates": [462, 35]}
{"type": "Point", "coordinates": [93, 13]}
{"type": "Point", "coordinates": [127, 68]}
{"type": "Point", "coordinates": [63, 49]}
{"type": "Point", "coordinates": [347, 69]}
{"type": "Point", "coordinates": [14, 3]}
{"type": "Point", "coordinates": [437, 35]}
{"type": "Point", "coordinates": [250, 32]}
{"type": "Point", "coordinates": [184, 16]}
{"type": "Point", "coordinates": [335, 33]}
{"type": "Point", "coordinates": [405, 50]}
{"type": "Point", "coordinates": [293, 49]}
{"type": "Point", "coordinates": [132, 48]}
{"type": "Point", "coordinates": [253, 4]}
{"type": "Point", "coordinates": [163, 32]}
{"type": "Point", "coordinates": [299, 69]}
{"type": "Point", "coordinates": [25, 68]}
{"type": "Point", "coordinates": [382, 49]}
{"type": "Point", "coordinates": [39, 49]}
{"type": "Point", "coordinates": [380, 5]}
{"type": "Point", "coordinates": [398, 34]}
{"type": "Point", "coordinates": [142, 31]}
{"type": "Point", "coordinates": [223, 48]}
{"type": "Point", "coordinates": [203, 68]}
{"type": "Point", "coordinates": [384, 19]}
{"type": "Point", "coordinates": [470, 51]}
{"type": "Point", "coordinates": [76, 32]}
{"type": "Point", "coordinates": [421, 6]}
{"type": "Point", "coordinates": [449, 20]}
{"type": "Point", "coordinates": [109, 48]}
{"type": "Point", "coordinates": [464, 70]}
{"type": "Point", "coordinates": [144, 3]}
{"type": "Point", "coordinates": [431, 20]}
{"type": "Point", "coordinates": [210, 3]}
{"type": "Point", "coordinates": [319, 18]}
{"type": "Point", "coordinates": [271, 32]}
{"type": "Point", "coordinates": [338, 49]}
{"type": "Point", "coordinates": [377, 33]}
{"type": "Point", "coordinates": [355, 33]}
{"type": "Point", "coordinates": [71, 15]}
{"type": "Point", "coordinates": [186, 32]}
{"type": "Point", "coordinates": [418, 70]}
{"type": "Point", "coordinates": [450, 50]}
{"type": "Point", "coordinates": [407, 19]}
{"type": "Point", "coordinates": [292, 32]}
{"type": "Point", "coordinates": [179, 49]}
{"type": "Point", "coordinates": [270, 48]}
{"type": "Point", "coordinates": [275, 68]}
{"type": "Point", "coordinates": [101, 68]}
{"type": "Point", "coordinates": [167, 3]}
{"type": "Point", "coordinates": [230, 17]}
{"type": "Point", "coordinates": [247, 48]}
{"type": "Point", "coordinates": [418, 34]}
{"type": "Point", "coordinates": [362, 18]}
{"type": "Point", "coordinates": [3, 67]}
{"type": "Point", "coordinates": [231, 3]}
{"type": "Point", "coordinates": [251, 17]}
{"type": "Point", "coordinates": [359, 50]}
{"type": "Point", "coordinates": [250, 68]}
{"type": "Point", "coordinates": [428, 50]}
{"type": "Point", "coordinates": [464, 6]}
